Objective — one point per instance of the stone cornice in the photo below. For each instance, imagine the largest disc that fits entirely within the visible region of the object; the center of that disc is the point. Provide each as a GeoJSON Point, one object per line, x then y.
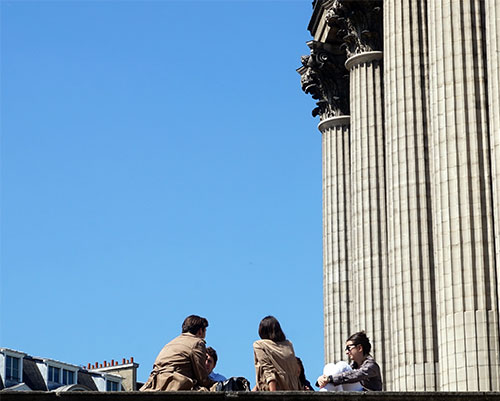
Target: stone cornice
{"type": "Point", "coordinates": [361, 58]}
{"type": "Point", "coordinates": [319, 7]}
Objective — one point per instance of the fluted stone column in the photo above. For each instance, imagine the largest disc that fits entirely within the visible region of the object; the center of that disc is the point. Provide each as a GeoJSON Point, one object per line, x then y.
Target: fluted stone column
{"type": "Point", "coordinates": [410, 247]}
{"type": "Point", "coordinates": [324, 77]}
{"type": "Point", "coordinates": [462, 197]}
{"type": "Point", "coordinates": [493, 62]}
{"type": "Point", "coordinates": [363, 25]}
{"type": "Point", "coordinates": [336, 223]}
{"type": "Point", "coordinates": [368, 216]}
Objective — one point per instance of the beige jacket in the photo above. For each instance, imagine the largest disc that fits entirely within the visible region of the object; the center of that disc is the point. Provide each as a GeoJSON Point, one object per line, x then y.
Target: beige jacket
{"type": "Point", "coordinates": [276, 361]}
{"type": "Point", "coordinates": [180, 365]}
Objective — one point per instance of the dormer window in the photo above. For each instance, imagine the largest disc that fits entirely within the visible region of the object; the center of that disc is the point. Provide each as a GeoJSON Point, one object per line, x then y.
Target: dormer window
{"type": "Point", "coordinates": [54, 374]}
{"type": "Point", "coordinates": [68, 377]}
{"type": "Point", "coordinates": [112, 385]}
{"type": "Point", "coordinates": [12, 368]}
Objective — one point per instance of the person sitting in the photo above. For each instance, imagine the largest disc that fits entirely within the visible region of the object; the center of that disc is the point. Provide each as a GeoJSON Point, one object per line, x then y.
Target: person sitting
{"type": "Point", "coordinates": [276, 367]}
{"type": "Point", "coordinates": [332, 369]}
{"type": "Point", "coordinates": [210, 364]}
{"type": "Point", "coordinates": [306, 386]}
{"type": "Point", "coordinates": [363, 368]}
{"type": "Point", "coordinates": [180, 365]}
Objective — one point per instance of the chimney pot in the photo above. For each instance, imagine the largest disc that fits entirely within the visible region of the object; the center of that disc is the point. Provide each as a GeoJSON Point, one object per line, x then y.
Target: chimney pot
{"type": "Point", "coordinates": [88, 366]}
{"type": "Point", "coordinates": [105, 364]}
{"type": "Point", "coordinates": [112, 362]}
{"type": "Point", "coordinates": [123, 361]}
{"type": "Point", "coordinates": [131, 359]}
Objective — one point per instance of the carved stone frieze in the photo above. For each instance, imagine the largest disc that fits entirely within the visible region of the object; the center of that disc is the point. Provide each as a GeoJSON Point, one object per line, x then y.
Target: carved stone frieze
{"type": "Point", "coordinates": [325, 78]}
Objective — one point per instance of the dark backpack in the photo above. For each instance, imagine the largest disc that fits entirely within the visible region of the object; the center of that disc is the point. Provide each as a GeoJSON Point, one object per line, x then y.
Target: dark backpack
{"type": "Point", "coordinates": [233, 384]}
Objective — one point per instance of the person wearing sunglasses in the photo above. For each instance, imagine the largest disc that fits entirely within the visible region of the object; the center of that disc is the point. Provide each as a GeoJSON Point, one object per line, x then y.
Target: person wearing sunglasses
{"type": "Point", "coordinates": [363, 368]}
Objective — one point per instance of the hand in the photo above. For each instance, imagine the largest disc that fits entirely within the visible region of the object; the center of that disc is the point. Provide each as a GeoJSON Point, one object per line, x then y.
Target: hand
{"type": "Point", "coordinates": [323, 381]}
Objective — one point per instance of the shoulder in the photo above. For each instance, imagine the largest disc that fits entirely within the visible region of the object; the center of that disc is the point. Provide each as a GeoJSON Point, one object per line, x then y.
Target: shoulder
{"type": "Point", "coordinates": [216, 377]}
{"type": "Point", "coordinates": [370, 362]}
{"type": "Point", "coordinates": [192, 340]}
{"type": "Point", "coordinates": [285, 344]}
{"type": "Point", "coordinates": [262, 344]}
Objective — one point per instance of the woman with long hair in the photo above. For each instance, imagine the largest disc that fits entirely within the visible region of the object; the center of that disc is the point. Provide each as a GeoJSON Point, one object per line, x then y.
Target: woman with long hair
{"type": "Point", "coordinates": [276, 367]}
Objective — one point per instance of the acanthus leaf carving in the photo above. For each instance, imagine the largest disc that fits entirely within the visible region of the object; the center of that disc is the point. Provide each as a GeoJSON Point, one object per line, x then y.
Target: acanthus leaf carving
{"type": "Point", "coordinates": [359, 25]}
{"type": "Point", "coordinates": [325, 78]}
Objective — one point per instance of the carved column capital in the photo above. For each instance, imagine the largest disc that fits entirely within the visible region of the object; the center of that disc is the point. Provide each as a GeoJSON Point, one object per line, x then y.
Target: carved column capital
{"type": "Point", "coordinates": [324, 77]}
{"type": "Point", "coordinates": [360, 25]}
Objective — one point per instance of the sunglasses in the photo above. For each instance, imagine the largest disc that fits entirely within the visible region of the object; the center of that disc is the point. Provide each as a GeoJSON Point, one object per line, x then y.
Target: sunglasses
{"type": "Point", "coordinates": [350, 347]}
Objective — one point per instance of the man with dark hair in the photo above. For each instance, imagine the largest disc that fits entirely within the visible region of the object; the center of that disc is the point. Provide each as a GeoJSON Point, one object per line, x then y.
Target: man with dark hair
{"type": "Point", "coordinates": [180, 365]}
{"type": "Point", "coordinates": [210, 364]}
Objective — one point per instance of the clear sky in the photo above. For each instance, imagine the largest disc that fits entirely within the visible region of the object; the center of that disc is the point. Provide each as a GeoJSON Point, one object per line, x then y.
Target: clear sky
{"type": "Point", "coordinates": [158, 159]}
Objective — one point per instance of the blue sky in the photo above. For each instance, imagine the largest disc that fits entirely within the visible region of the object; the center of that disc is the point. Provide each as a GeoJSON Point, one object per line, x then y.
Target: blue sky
{"type": "Point", "coordinates": [158, 159]}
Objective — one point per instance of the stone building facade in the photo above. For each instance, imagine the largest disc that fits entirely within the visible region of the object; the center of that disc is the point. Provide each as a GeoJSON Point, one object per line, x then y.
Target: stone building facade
{"type": "Point", "coordinates": [408, 95]}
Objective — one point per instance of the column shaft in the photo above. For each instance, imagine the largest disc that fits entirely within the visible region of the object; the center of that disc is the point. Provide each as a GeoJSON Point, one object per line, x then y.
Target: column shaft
{"type": "Point", "coordinates": [462, 198]}
{"type": "Point", "coordinates": [336, 206]}
{"type": "Point", "coordinates": [410, 251]}
{"type": "Point", "coordinates": [493, 49]}
{"type": "Point", "coordinates": [369, 257]}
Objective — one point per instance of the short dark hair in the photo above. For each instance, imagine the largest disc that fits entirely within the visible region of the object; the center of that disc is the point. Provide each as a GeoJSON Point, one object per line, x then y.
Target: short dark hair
{"type": "Point", "coordinates": [193, 323]}
{"type": "Point", "coordinates": [213, 354]}
{"type": "Point", "coordinates": [360, 338]}
{"type": "Point", "coordinates": [270, 329]}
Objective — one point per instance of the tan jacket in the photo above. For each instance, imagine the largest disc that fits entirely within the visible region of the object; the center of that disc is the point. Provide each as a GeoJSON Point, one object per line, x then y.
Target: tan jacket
{"type": "Point", "coordinates": [180, 365]}
{"type": "Point", "coordinates": [276, 361]}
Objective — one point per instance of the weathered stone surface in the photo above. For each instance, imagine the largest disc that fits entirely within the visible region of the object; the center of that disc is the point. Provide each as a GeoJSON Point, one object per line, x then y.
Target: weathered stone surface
{"type": "Point", "coordinates": [467, 314]}
{"type": "Point", "coordinates": [337, 267]}
{"type": "Point", "coordinates": [420, 271]}
{"type": "Point", "coordinates": [409, 215]}
{"type": "Point", "coordinates": [246, 396]}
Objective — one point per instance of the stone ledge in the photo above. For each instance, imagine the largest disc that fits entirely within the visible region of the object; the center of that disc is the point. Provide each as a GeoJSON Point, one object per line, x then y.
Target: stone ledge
{"type": "Point", "coordinates": [247, 396]}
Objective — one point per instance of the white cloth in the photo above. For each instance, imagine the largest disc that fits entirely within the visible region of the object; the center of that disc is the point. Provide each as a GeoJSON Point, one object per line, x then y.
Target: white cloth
{"type": "Point", "coordinates": [331, 369]}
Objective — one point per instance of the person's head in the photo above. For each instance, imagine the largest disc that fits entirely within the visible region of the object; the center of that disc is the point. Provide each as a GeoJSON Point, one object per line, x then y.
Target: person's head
{"type": "Point", "coordinates": [358, 346]}
{"type": "Point", "coordinates": [211, 360]}
{"type": "Point", "coordinates": [270, 329]}
{"type": "Point", "coordinates": [195, 325]}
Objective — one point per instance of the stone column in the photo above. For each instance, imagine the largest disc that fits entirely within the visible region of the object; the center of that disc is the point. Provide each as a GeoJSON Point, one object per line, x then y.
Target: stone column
{"type": "Point", "coordinates": [493, 51]}
{"type": "Point", "coordinates": [336, 263]}
{"type": "Point", "coordinates": [468, 338]}
{"type": "Point", "coordinates": [324, 77]}
{"type": "Point", "coordinates": [410, 247]}
{"type": "Point", "coordinates": [362, 34]}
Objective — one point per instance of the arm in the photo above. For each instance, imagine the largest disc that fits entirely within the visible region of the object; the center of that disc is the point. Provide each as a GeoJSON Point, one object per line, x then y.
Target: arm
{"type": "Point", "coordinates": [198, 357]}
{"type": "Point", "coordinates": [265, 362]}
{"type": "Point", "coordinates": [367, 370]}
